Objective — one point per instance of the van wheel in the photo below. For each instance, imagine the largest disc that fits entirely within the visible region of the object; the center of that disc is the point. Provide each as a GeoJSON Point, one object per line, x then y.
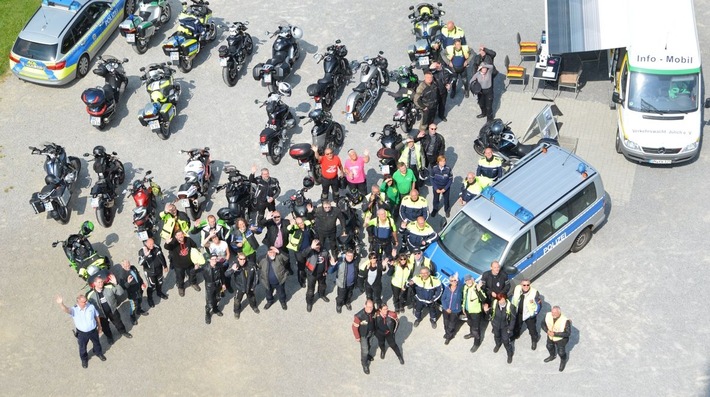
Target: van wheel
{"type": "Point", "coordinates": [618, 141]}
{"type": "Point", "coordinates": [83, 66]}
{"type": "Point", "coordinates": [582, 239]}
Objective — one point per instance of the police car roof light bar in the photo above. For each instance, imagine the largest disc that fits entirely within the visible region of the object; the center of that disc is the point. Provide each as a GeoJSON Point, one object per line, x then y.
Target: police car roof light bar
{"type": "Point", "coordinates": [507, 204]}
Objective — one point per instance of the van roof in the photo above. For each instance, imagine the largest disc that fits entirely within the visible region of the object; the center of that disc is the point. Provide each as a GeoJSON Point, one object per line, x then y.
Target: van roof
{"type": "Point", "coordinates": [663, 37]}
{"type": "Point", "coordinates": [50, 19]}
{"type": "Point", "coordinates": [537, 182]}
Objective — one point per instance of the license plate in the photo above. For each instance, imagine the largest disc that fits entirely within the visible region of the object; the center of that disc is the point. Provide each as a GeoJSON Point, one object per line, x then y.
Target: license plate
{"type": "Point", "coordinates": [143, 235]}
{"type": "Point", "coordinates": [185, 203]}
{"type": "Point", "coordinates": [272, 127]}
{"type": "Point", "coordinates": [131, 37]}
{"type": "Point", "coordinates": [95, 120]}
{"type": "Point", "coordinates": [95, 202]}
{"type": "Point", "coordinates": [267, 78]}
{"type": "Point", "coordinates": [319, 105]}
{"type": "Point", "coordinates": [350, 117]}
{"type": "Point", "coordinates": [48, 206]}
{"type": "Point", "coordinates": [223, 62]}
{"type": "Point", "coordinates": [423, 61]}
{"type": "Point", "coordinates": [264, 149]}
{"type": "Point", "coordinates": [657, 161]}
{"type": "Point", "coordinates": [174, 56]}
{"type": "Point", "coordinates": [154, 125]}
{"type": "Point", "coordinates": [306, 166]}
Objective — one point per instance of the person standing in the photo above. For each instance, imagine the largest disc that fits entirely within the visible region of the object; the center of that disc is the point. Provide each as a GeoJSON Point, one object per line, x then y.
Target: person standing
{"type": "Point", "coordinates": [412, 157]}
{"type": "Point", "coordinates": [418, 235]}
{"type": "Point", "coordinates": [427, 290]}
{"type": "Point", "coordinates": [442, 80]}
{"type": "Point", "coordinates": [154, 265]}
{"type": "Point", "coordinates": [133, 285]}
{"type": "Point", "coordinates": [405, 179]}
{"type": "Point", "coordinates": [354, 169]}
{"type": "Point", "coordinates": [416, 262]}
{"type": "Point", "coordinates": [104, 297]}
{"type": "Point", "coordinates": [273, 274]}
{"type": "Point", "coordinates": [267, 190]}
{"type": "Point", "coordinates": [382, 234]}
{"type": "Point", "coordinates": [277, 234]}
{"type": "Point", "coordinates": [412, 207]}
{"type": "Point", "coordinates": [219, 248]}
{"type": "Point", "coordinates": [441, 177]}
{"type": "Point", "coordinates": [389, 188]}
{"type": "Point", "coordinates": [527, 302]}
{"type": "Point", "coordinates": [243, 240]}
{"type": "Point", "coordinates": [211, 225]}
{"type": "Point", "coordinates": [346, 273]}
{"type": "Point", "coordinates": [370, 276]}
{"type": "Point", "coordinates": [495, 283]}
{"type": "Point", "coordinates": [484, 79]}
{"type": "Point", "coordinates": [373, 202]}
{"type": "Point", "coordinates": [558, 329]}
{"type": "Point", "coordinates": [490, 168]}
{"type": "Point", "coordinates": [179, 248]}
{"type": "Point", "coordinates": [300, 236]}
{"type": "Point", "coordinates": [502, 324]}
{"type": "Point", "coordinates": [88, 327]}
{"type": "Point", "coordinates": [401, 273]}
{"type": "Point", "coordinates": [451, 33]}
{"type": "Point", "coordinates": [426, 98]}
{"type": "Point", "coordinates": [213, 288]}
{"type": "Point", "coordinates": [325, 223]}
{"type": "Point", "coordinates": [485, 55]}
{"type": "Point", "coordinates": [451, 305]}
{"type": "Point", "coordinates": [331, 168]}
{"type": "Point", "coordinates": [458, 57]}
{"type": "Point", "coordinates": [433, 145]}
{"type": "Point", "coordinates": [363, 328]}
{"type": "Point", "coordinates": [473, 298]}
{"type": "Point", "coordinates": [317, 262]}
{"type": "Point", "coordinates": [386, 324]}
{"type": "Point", "coordinates": [173, 221]}
{"type": "Point", "coordinates": [244, 278]}
{"type": "Point", "coordinates": [471, 188]}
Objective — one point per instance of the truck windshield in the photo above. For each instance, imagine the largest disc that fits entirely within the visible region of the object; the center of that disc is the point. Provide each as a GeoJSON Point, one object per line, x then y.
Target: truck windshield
{"type": "Point", "coordinates": [471, 244]}
{"type": "Point", "coordinates": [663, 93]}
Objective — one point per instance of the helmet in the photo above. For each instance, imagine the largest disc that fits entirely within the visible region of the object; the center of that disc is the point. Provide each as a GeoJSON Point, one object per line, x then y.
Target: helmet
{"type": "Point", "coordinates": [284, 89]}
{"type": "Point", "coordinates": [308, 182]}
{"type": "Point", "coordinates": [99, 151]}
{"type": "Point", "coordinates": [355, 196]}
{"type": "Point", "coordinates": [388, 130]}
{"type": "Point", "coordinates": [342, 183]}
{"type": "Point", "coordinates": [86, 228]}
{"type": "Point", "coordinates": [296, 32]}
{"type": "Point", "coordinates": [52, 180]}
{"type": "Point", "coordinates": [424, 174]}
{"type": "Point", "coordinates": [497, 127]}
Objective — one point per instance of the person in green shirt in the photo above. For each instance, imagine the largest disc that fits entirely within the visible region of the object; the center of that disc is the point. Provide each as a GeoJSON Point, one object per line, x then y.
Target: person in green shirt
{"type": "Point", "coordinates": [404, 178]}
{"type": "Point", "coordinates": [389, 188]}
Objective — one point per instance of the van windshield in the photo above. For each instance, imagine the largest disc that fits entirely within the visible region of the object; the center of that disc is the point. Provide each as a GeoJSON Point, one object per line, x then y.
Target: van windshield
{"type": "Point", "coordinates": [36, 51]}
{"type": "Point", "coordinates": [471, 244]}
{"type": "Point", "coordinates": [663, 93]}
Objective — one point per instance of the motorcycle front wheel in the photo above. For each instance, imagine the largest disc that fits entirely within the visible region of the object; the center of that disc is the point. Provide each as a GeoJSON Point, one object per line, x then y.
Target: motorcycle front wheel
{"type": "Point", "coordinates": [274, 154]}
{"type": "Point", "coordinates": [140, 46]}
{"type": "Point", "coordinates": [338, 135]}
{"type": "Point", "coordinates": [104, 216]}
{"type": "Point", "coordinates": [478, 147]}
{"type": "Point", "coordinates": [230, 75]}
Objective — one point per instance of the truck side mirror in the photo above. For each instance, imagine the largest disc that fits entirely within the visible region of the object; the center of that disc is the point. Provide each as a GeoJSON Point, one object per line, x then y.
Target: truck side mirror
{"type": "Point", "coordinates": [707, 103]}
{"type": "Point", "coordinates": [616, 98]}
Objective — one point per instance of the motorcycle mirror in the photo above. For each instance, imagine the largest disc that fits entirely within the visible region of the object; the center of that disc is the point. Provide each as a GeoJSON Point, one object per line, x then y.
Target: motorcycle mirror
{"type": "Point", "coordinates": [411, 8]}
{"type": "Point", "coordinates": [337, 41]}
{"type": "Point", "coordinates": [114, 153]}
{"type": "Point", "coordinates": [54, 244]}
{"type": "Point", "coordinates": [256, 101]}
{"type": "Point", "coordinates": [142, 69]}
{"type": "Point", "coordinates": [268, 33]}
{"type": "Point", "coordinates": [207, 3]}
{"type": "Point", "coordinates": [381, 53]}
{"type": "Point", "coordinates": [245, 23]}
{"type": "Point", "coordinates": [148, 172]}
{"type": "Point", "coordinates": [125, 60]}
{"type": "Point", "coordinates": [86, 155]}
{"type": "Point", "coordinates": [207, 148]}
{"type": "Point", "coordinates": [373, 134]}
{"type": "Point", "coordinates": [439, 4]}
{"type": "Point", "coordinates": [169, 63]}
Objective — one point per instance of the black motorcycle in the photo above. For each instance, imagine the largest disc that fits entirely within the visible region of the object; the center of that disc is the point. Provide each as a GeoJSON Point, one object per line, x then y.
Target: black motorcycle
{"type": "Point", "coordinates": [284, 54]}
{"type": "Point", "coordinates": [82, 256]}
{"type": "Point", "coordinates": [499, 137]}
{"type": "Point", "coordinates": [350, 237]}
{"type": "Point", "coordinates": [392, 144]}
{"type": "Point", "coordinates": [325, 131]}
{"type": "Point", "coordinates": [407, 113]}
{"type": "Point", "coordinates": [62, 173]}
{"type": "Point", "coordinates": [233, 55]}
{"type": "Point", "coordinates": [273, 140]}
{"type": "Point", "coordinates": [239, 192]}
{"type": "Point", "coordinates": [103, 194]}
{"type": "Point", "coordinates": [337, 71]}
{"type": "Point", "coordinates": [101, 102]}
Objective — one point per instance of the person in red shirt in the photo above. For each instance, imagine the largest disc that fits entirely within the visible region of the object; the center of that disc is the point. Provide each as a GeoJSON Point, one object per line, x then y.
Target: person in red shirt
{"type": "Point", "coordinates": [331, 168]}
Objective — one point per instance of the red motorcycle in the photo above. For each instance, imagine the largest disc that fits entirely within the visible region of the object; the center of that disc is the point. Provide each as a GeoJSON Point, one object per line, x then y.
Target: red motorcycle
{"type": "Point", "coordinates": [145, 192]}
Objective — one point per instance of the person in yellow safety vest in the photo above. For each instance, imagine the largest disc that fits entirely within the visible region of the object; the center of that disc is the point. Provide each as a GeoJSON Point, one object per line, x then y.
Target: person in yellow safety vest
{"type": "Point", "coordinates": [173, 220]}
{"type": "Point", "coordinates": [489, 165]}
{"type": "Point", "coordinates": [557, 326]}
{"type": "Point", "coordinates": [382, 234]}
{"type": "Point", "coordinates": [458, 57]}
{"type": "Point", "coordinates": [473, 298]}
{"type": "Point", "coordinates": [451, 32]}
{"type": "Point", "coordinates": [427, 290]}
{"type": "Point", "coordinates": [412, 157]}
{"type": "Point", "coordinates": [472, 187]}
{"type": "Point", "coordinates": [300, 235]}
{"type": "Point", "coordinates": [401, 272]}
{"type": "Point", "coordinates": [375, 200]}
{"type": "Point", "coordinates": [502, 322]}
{"type": "Point", "coordinates": [412, 207]}
{"type": "Point", "coordinates": [416, 262]}
{"type": "Point", "coordinates": [419, 234]}
{"type": "Point", "coordinates": [527, 302]}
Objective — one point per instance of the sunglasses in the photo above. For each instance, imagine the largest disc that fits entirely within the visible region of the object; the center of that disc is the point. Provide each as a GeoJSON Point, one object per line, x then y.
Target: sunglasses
{"type": "Point", "coordinates": [525, 285]}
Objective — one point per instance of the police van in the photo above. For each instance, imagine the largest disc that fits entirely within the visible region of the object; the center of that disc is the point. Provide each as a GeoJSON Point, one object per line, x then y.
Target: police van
{"type": "Point", "coordinates": [549, 204]}
{"type": "Point", "coordinates": [658, 84]}
{"type": "Point", "coordinates": [57, 44]}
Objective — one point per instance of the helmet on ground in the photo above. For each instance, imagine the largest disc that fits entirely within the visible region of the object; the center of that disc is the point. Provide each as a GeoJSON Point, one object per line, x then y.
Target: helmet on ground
{"type": "Point", "coordinates": [99, 151]}
{"type": "Point", "coordinates": [296, 32]}
{"type": "Point", "coordinates": [87, 227]}
{"type": "Point", "coordinates": [284, 89]}
{"type": "Point", "coordinates": [497, 127]}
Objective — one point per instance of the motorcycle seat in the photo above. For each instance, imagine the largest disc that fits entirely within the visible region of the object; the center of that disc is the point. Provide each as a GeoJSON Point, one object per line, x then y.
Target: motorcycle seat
{"type": "Point", "coordinates": [522, 149]}
{"type": "Point", "coordinates": [327, 79]}
{"type": "Point", "coordinates": [278, 57]}
{"type": "Point", "coordinates": [362, 87]}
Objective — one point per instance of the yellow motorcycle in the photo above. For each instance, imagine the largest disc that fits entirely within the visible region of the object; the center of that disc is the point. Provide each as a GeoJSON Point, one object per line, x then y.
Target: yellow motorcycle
{"type": "Point", "coordinates": [196, 28]}
{"type": "Point", "coordinates": [164, 95]}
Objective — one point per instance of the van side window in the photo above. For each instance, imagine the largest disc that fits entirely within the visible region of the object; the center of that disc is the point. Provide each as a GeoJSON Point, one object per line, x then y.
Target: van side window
{"type": "Point", "coordinates": [543, 230]}
{"type": "Point", "coordinates": [566, 212]}
{"type": "Point", "coordinates": [582, 200]}
{"type": "Point", "coordinates": [519, 249]}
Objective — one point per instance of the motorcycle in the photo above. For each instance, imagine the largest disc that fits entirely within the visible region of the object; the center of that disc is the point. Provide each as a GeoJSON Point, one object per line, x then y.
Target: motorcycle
{"type": "Point", "coordinates": [232, 56]}
{"type": "Point", "coordinates": [138, 28]}
{"type": "Point", "coordinates": [101, 102]}
{"type": "Point", "coordinates": [325, 131]}
{"type": "Point", "coordinates": [273, 140]}
{"type": "Point", "coordinates": [103, 194]}
{"type": "Point", "coordinates": [407, 113]}
{"type": "Point", "coordinates": [195, 30]}
{"type": "Point", "coordinates": [284, 54]}
{"type": "Point", "coordinates": [298, 203]}
{"type": "Point", "coordinates": [82, 256]}
{"type": "Point", "coordinates": [337, 71]}
{"type": "Point", "coordinates": [505, 144]}
{"type": "Point", "coordinates": [144, 192]}
{"type": "Point", "coordinates": [350, 238]}
{"type": "Point", "coordinates": [373, 78]}
{"type": "Point", "coordinates": [427, 25]}
{"type": "Point", "coordinates": [164, 95]}
{"type": "Point", "coordinates": [239, 192]}
{"type": "Point", "coordinates": [392, 143]}
{"type": "Point", "coordinates": [62, 174]}
{"type": "Point", "coordinates": [193, 193]}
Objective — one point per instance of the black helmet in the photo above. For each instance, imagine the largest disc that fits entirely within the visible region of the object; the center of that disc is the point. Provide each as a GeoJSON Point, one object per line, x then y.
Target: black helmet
{"type": "Point", "coordinates": [355, 196]}
{"type": "Point", "coordinates": [99, 151]}
{"type": "Point", "coordinates": [388, 130]}
{"type": "Point", "coordinates": [497, 127]}
{"type": "Point", "coordinates": [308, 182]}
{"type": "Point", "coordinates": [86, 228]}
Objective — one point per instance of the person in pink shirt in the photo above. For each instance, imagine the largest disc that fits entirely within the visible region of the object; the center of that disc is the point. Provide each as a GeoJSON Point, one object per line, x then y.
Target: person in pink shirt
{"type": "Point", "coordinates": [355, 170]}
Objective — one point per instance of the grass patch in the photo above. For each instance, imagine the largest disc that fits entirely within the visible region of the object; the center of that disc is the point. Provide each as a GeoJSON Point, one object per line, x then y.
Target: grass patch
{"type": "Point", "coordinates": [14, 14]}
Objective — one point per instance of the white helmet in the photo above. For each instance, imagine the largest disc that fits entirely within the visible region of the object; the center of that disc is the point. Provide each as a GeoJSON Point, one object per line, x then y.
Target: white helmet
{"type": "Point", "coordinates": [284, 89]}
{"type": "Point", "coordinates": [296, 32]}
